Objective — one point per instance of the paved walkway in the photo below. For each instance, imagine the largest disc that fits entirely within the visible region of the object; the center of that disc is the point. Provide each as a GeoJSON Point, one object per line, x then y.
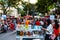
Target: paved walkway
{"type": "Point", "coordinates": [8, 36]}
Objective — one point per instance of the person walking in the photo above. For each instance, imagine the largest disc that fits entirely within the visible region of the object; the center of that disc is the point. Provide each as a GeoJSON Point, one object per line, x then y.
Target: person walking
{"type": "Point", "coordinates": [49, 27]}
{"type": "Point", "coordinates": [56, 29]}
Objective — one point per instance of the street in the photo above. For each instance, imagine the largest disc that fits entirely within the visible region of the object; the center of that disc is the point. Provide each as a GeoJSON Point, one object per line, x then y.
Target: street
{"type": "Point", "coordinates": [8, 36]}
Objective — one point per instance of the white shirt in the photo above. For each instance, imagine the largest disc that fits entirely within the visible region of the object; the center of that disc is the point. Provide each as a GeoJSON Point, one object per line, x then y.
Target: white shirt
{"type": "Point", "coordinates": [17, 28]}
{"type": "Point", "coordinates": [50, 29]}
{"type": "Point", "coordinates": [42, 23]}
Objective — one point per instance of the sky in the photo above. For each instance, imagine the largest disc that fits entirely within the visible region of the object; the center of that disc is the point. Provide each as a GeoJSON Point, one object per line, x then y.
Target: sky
{"type": "Point", "coordinates": [31, 1]}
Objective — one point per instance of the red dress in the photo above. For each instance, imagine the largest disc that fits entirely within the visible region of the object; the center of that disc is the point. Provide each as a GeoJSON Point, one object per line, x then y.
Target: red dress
{"type": "Point", "coordinates": [11, 26]}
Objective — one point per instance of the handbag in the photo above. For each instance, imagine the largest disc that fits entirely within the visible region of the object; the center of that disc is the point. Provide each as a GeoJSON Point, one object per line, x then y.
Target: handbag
{"type": "Point", "coordinates": [52, 37]}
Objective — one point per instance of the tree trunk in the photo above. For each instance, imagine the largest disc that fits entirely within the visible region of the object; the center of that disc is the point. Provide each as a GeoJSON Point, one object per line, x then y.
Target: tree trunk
{"type": "Point", "coordinates": [4, 12]}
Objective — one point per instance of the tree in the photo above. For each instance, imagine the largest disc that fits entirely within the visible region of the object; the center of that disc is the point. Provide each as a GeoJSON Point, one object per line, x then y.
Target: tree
{"type": "Point", "coordinates": [55, 1]}
{"type": "Point", "coordinates": [8, 3]}
{"type": "Point", "coordinates": [44, 6]}
{"type": "Point", "coordinates": [28, 7]}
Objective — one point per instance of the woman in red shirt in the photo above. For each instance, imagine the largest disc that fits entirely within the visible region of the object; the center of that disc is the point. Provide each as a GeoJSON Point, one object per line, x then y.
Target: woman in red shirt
{"type": "Point", "coordinates": [56, 27]}
{"type": "Point", "coordinates": [11, 25]}
{"type": "Point", "coordinates": [38, 22]}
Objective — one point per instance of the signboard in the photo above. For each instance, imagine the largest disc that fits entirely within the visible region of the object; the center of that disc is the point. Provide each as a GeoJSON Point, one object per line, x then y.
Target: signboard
{"type": "Point", "coordinates": [37, 27]}
{"type": "Point", "coordinates": [52, 17]}
{"type": "Point", "coordinates": [4, 16]}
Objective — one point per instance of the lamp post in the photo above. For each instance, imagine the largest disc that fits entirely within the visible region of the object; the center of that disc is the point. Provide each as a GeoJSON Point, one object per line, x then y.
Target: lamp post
{"type": "Point", "coordinates": [32, 2]}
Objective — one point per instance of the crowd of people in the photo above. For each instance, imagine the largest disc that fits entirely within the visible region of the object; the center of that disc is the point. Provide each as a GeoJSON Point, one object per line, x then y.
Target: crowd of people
{"type": "Point", "coordinates": [7, 24]}
{"type": "Point", "coordinates": [51, 27]}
